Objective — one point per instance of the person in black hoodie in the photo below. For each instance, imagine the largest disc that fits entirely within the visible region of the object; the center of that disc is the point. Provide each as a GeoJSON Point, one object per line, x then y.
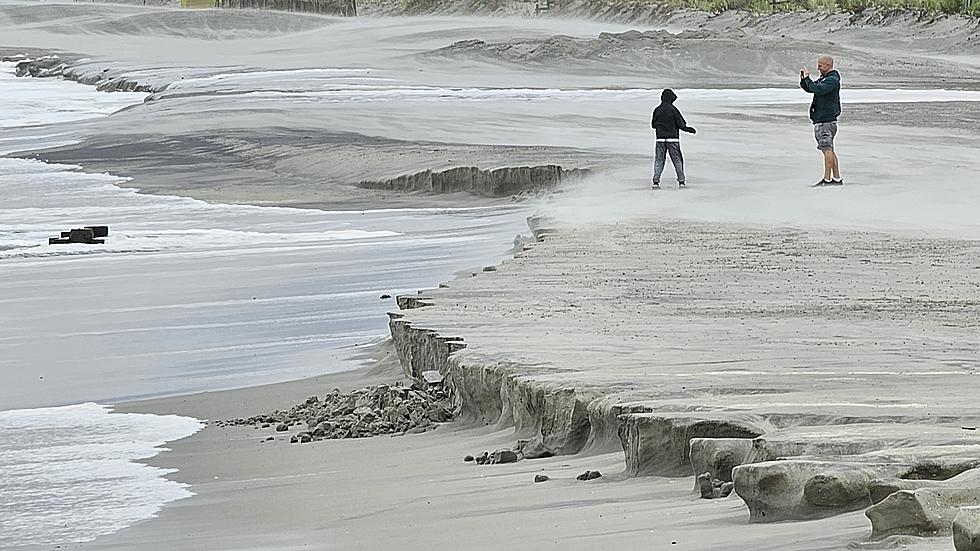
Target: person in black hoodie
{"type": "Point", "coordinates": [824, 110]}
{"type": "Point", "coordinates": [667, 121]}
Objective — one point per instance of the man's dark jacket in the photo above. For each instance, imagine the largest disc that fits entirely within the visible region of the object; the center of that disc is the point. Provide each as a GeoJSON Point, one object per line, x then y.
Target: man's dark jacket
{"type": "Point", "coordinates": [667, 119]}
{"type": "Point", "coordinates": [825, 106]}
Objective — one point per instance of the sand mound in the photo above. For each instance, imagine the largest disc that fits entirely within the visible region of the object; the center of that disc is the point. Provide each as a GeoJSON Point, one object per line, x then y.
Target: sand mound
{"type": "Point", "coordinates": [701, 56]}
{"type": "Point", "coordinates": [209, 24]}
{"type": "Point", "coordinates": [125, 21]}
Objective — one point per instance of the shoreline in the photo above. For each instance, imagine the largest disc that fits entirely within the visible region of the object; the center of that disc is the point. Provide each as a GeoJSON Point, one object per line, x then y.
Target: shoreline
{"type": "Point", "coordinates": [420, 482]}
{"type": "Point", "coordinates": [481, 426]}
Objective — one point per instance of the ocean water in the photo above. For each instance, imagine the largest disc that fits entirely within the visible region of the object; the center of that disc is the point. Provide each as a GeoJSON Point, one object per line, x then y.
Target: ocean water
{"type": "Point", "coordinates": [69, 473]}
{"type": "Point", "coordinates": [185, 296]}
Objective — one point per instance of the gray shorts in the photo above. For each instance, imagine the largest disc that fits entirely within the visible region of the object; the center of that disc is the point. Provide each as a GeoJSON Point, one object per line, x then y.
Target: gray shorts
{"type": "Point", "coordinates": [824, 132]}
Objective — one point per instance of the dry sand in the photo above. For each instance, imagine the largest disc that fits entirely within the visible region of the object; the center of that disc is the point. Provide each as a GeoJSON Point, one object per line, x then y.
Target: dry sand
{"type": "Point", "coordinates": [679, 313]}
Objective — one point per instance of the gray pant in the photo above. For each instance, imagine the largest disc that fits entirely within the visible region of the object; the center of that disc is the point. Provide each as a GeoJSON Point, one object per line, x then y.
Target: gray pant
{"type": "Point", "coordinates": [825, 132]}
{"type": "Point", "coordinates": [663, 148]}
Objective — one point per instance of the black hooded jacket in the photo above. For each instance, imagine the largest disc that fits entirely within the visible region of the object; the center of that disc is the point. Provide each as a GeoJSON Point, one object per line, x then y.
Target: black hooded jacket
{"type": "Point", "coordinates": [667, 119]}
{"type": "Point", "coordinates": [825, 106]}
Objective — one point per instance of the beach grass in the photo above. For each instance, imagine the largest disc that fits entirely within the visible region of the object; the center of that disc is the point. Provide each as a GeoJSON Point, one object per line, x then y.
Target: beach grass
{"type": "Point", "coordinates": [197, 3]}
{"type": "Point", "coordinates": [965, 7]}
{"type": "Point", "coordinates": [922, 7]}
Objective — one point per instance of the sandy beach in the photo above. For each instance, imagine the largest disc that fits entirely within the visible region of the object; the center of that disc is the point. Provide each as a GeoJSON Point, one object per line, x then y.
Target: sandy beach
{"type": "Point", "coordinates": [831, 331]}
{"type": "Point", "coordinates": [416, 490]}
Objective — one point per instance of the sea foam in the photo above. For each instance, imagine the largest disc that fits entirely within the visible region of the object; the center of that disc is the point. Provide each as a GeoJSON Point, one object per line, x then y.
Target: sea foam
{"type": "Point", "coordinates": [69, 473]}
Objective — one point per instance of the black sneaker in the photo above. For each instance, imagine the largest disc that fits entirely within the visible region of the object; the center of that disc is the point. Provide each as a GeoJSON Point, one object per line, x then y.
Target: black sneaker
{"type": "Point", "coordinates": [655, 185]}
{"type": "Point", "coordinates": [822, 183]}
{"type": "Point", "coordinates": [836, 182]}
{"type": "Point", "coordinates": [681, 185]}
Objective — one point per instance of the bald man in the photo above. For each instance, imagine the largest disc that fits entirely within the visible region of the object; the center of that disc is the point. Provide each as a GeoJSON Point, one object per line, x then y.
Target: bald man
{"type": "Point", "coordinates": [824, 110]}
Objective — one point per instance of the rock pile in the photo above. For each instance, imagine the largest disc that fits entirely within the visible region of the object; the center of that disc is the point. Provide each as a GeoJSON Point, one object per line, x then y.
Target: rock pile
{"type": "Point", "coordinates": [713, 488]}
{"type": "Point", "coordinates": [382, 409]}
{"type": "Point", "coordinates": [524, 449]}
{"type": "Point", "coordinates": [47, 66]}
{"type": "Point", "coordinates": [54, 66]}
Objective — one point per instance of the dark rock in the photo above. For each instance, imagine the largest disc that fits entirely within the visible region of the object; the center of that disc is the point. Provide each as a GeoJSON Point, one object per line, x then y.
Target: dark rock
{"type": "Point", "coordinates": [541, 478]}
{"type": "Point", "coordinates": [99, 231]}
{"type": "Point", "coordinates": [713, 488]}
{"type": "Point", "coordinates": [282, 427]}
{"type": "Point", "coordinates": [76, 235]}
{"type": "Point", "coordinates": [385, 297]}
{"type": "Point", "coordinates": [437, 414]}
{"type": "Point", "coordinates": [593, 475]}
{"type": "Point", "coordinates": [468, 458]}
{"type": "Point", "coordinates": [323, 429]}
{"type": "Point", "coordinates": [503, 456]}
{"type": "Point", "coordinates": [704, 486]}
{"type": "Point", "coordinates": [535, 449]}
{"type": "Point", "coordinates": [583, 476]}
{"type": "Point", "coordinates": [365, 414]}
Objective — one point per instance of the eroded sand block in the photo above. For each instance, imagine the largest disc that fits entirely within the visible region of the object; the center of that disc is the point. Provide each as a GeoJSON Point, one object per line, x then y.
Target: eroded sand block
{"type": "Point", "coordinates": [499, 182]}
{"type": "Point", "coordinates": [534, 449]}
{"type": "Point", "coordinates": [854, 439]}
{"type": "Point", "coordinates": [929, 467]}
{"type": "Point", "coordinates": [881, 488]}
{"type": "Point", "coordinates": [560, 416]}
{"type": "Point", "coordinates": [797, 489]}
{"type": "Point", "coordinates": [719, 456]}
{"type": "Point", "coordinates": [541, 226]}
{"type": "Point", "coordinates": [923, 512]}
{"type": "Point", "coordinates": [966, 529]}
{"type": "Point", "coordinates": [659, 443]}
{"type": "Point", "coordinates": [409, 302]}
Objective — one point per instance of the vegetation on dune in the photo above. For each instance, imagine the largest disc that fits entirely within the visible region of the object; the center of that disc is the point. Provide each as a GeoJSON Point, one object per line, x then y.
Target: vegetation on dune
{"type": "Point", "coordinates": [931, 7]}
{"type": "Point", "coordinates": [966, 7]}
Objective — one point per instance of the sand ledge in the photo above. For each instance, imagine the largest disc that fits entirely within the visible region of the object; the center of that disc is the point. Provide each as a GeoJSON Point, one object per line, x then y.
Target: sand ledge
{"type": "Point", "coordinates": [827, 458]}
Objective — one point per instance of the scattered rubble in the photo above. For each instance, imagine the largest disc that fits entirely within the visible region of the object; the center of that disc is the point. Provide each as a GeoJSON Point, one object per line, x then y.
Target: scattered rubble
{"type": "Point", "coordinates": [383, 409]}
{"type": "Point", "coordinates": [503, 456]}
{"type": "Point", "coordinates": [713, 488]}
{"type": "Point", "coordinates": [524, 449]}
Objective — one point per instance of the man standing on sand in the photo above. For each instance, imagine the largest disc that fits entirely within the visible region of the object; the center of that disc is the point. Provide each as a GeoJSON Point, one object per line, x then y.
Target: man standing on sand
{"type": "Point", "coordinates": [824, 110]}
{"type": "Point", "coordinates": [667, 121]}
